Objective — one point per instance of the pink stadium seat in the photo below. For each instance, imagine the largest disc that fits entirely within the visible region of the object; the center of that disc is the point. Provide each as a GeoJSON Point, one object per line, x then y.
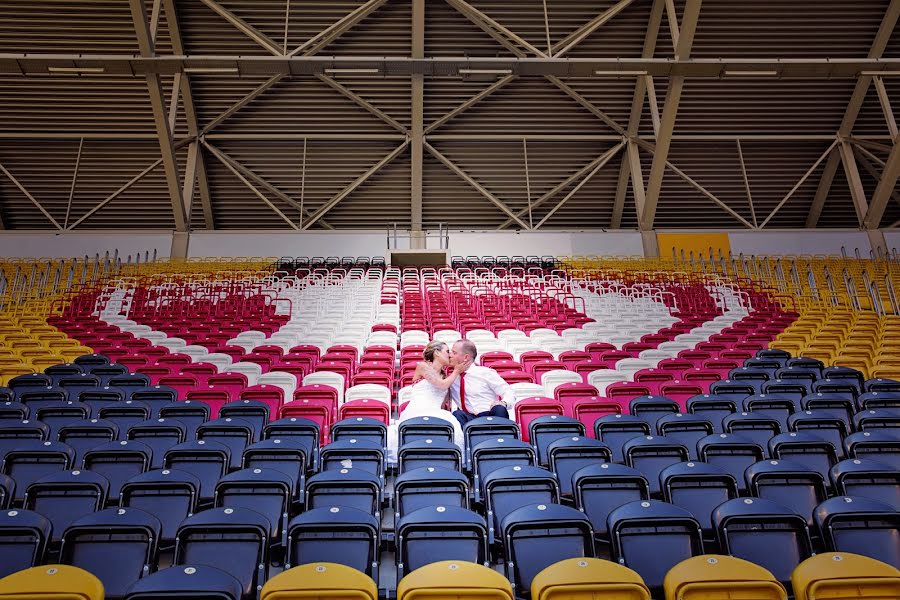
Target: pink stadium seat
{"type": "Point", "coordinates": [528, 409]}
{"type": "Point", "coordinates": [365, 407]}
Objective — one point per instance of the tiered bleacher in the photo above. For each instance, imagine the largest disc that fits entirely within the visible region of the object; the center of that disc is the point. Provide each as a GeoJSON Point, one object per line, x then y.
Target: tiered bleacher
{"type": "Point", "coordinates": [200, 430]}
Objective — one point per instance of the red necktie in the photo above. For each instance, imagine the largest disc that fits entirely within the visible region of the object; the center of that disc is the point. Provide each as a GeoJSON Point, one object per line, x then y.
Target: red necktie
{"type": "Point", "coordinates": [462, 392]}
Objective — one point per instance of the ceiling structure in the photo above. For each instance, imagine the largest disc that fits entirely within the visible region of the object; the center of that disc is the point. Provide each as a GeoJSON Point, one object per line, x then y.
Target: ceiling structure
{"type": "Point", "coordinates": [488, 114]}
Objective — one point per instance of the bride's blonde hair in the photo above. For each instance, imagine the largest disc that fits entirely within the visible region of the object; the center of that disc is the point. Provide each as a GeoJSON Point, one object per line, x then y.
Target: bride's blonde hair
{"type": "Point", "coordinates": [431, 348]}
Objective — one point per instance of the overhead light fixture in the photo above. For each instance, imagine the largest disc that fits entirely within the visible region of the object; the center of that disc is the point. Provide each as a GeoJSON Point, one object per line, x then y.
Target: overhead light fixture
{"type": "Point", "coordinates": [751, 73]}
{"type": "Point", "coordinates": [210, 70]}
{"type": "Point", "coordinates": [75, 70]}
{"type": "Point", "coordinates": [880, 73]}
{"type": "Point", "coordinates": [620, 73]}
{"type": "Point", "coordinates": [352, 71]}
{"type": "Point", "coordinates": [485, 71]}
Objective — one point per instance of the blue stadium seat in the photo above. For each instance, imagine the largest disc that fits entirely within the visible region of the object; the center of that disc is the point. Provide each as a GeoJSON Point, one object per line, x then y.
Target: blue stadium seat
{"type": "Point", "coordinates": [546, 429]}
{"type": "Point", "coordinates": [485, 428]}
{"type": "Point", "coordinates": [652, 408]}
{"type": "Point", "coordinates": [568, 455]}
{"type": "Point", "coordinates": [360, 428]}
{"type": "Point", "coordinates": [286, 455]}
{"type": "Point", "coordinates": [56, 415]}
{"type": "Point", "coordinates": [304, 431]}
{"type": "Point", "coordinates": [118, 462]}
{"type": "Point", "coordinates": [735, 390]}
{"type": "Point", "coordinates": [130, 382]}
{"type": "Point", "coordinates": [496, 453]}
{"type": "Point", "coordinates": [651, 454]}
{"type": "Point", "coordinates": [686, 428]}
{"type": "Point", "coordinates": [154, 396]}
{"type": "Point", "coordinates": [233, 433]}
{"type": "Point", "coordinates": [427, 487]}
{"type": "Point", "coordinates": [730, 452]}
{"type": "Point", "coordinates": [713, 408]}
{"type": "Point", "coordinates": [353, 488]}
{"type": "Point", "coordinates": [883, 446]}
{"type": "Point", "coordinates": [860, 526]}
{"type": "Point", "coordinates": [266, 491]}
{"type": "Point", "coordinates": [125, 415]}
{"type": "Point", "coordinates": [252, 411]}
{"type": "Point", "coordinates": [509, 488]}
{"type": "Point", "coordinates": [429, 453]}
{"type": "Point", "coordinates": [168, 494]}
{"type": "Point", "coordinates": [420, 428]}
{"type": "Point", "coordinates": [190, 413]}
{"type": "Point", "coordinates": [600, 489]}
{"type": "Point", "coordinates": [436, 533]}
{"type": "Point", "coordinates": [830, 428]}
{"type": "Point", "coordinates": [7, 491]}
{"type": "Point", "coordinates": [616, 430]}
{"type": "Point", "coordinates": [355, 454]}
{"type": "Point", "coordinates": [878, 418]}
{"type": "Point", "coordinates": [775, 406]}
{"type": "Point", "coordinates": [64, 496]}
{"type": "Point", "coordinates": [805, 448]}
{"type": "Point", "coordinates": [98, 398]}
{"type": "Point", "coordinates": [34, 459]}
{"type": "Point", "coordinates": [867, 478]}
{"type": "Point", "coordinates": [207, 460]}
{"type": "Point", "coordinates": [24, 538]}
{"type": "Point", "coordinates": [14, 433]}
{"type": "Point", "coordinates": [698, 488]}
{"type": "Point", "coordinates": [12, 411]}
{"type": "Point", "coordinates": [160, 435]}
{"type": "Point", "coordinates": [879, 399]}
{"type": "Point", "coordinates": [85, 435]}
{"type": "Point", "coordinates": [188, 582]}
{"type": "Point", "coordinates": [789, 483]}
{"type": "Point", "coordinates": [335, 534]}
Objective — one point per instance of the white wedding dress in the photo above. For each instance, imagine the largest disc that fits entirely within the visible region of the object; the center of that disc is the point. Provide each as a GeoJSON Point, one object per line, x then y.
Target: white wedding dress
{"type": "Point", "coordinates": [426, 400]}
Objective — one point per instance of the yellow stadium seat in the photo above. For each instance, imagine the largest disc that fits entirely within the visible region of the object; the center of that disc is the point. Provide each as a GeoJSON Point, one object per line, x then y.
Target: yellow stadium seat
{"type": "Point", "coordinates": [320, 581]}
{"type": "Point", "coordinates": [42, 363]}
{"type": "Point", "coordinates": [845, 576]}
{"type": "Point", "coordinates": [454, 580]}
{"type": "Point", "coordinates": [880, 371]}
{"type": "Point", "coordinates": [709, 577]}
{"type": "Point", "coordinates": [7, 373]}
{"type": "Point", "coordinates": [588, 579]}
{"type": "Point", "coordinates": [51, 582]}
{"type": "Point", "coordinates": [73, 352]}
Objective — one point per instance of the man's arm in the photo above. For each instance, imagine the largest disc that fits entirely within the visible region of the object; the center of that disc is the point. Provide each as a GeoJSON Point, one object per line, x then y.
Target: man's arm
{"type": "Point", "coordinates": [499, 386]}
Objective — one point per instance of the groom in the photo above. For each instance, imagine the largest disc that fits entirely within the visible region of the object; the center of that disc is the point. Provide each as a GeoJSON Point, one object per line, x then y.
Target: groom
{"type": "Point", "coordinates": [476, 390]}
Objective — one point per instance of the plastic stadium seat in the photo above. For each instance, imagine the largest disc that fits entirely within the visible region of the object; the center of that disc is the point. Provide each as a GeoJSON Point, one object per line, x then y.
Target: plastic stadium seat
{"type": "Point", "coordinates": [194, 582]}
{"type": "Point", "coordinates": [15, 433]}
{"type": "Point", "coordinates": [545, 430]}
{"type": "Point", "coordinates": [335, 534]}
{"type": "Point", "coordinates": [367, 408]}
{"type": "Point", "coordinates": [303, 431]}
{"type": "Point", "coordinates": [427, 452]}
{"type": "Point", "coordinates": [755, 427]}
{"type": "Point", "coordinates": [84, 435]}
{"type": "Point", "coordinates": [763, 532]}
{"type": "Point", "coordinates": [496, 453]}
{"type": "Point", "coordinates": [882, 446]}
{"type": "Point", "coordinates": [125, 415]}
{"type": "Point", "coordinates": [705, 577]}
{"type": "Point", "coordinates": [528, 409]}
{"type": "Point", "coordinates": [7, 491]}
{"type": "Point", "coordinates": [24, 538]}
{"type": "Point", "coordinates": [878, 418]}
{"type": "Point", "coordinates": [169, 494]}
{"type": "Point", "coordinates": [288, 456]}
{"type": "Point", "coordinates": [831, 575]}
{"type": "Point", "coordinates": [788, 483]}
{"type": "Point", "coordinates": [233, 433]}
{"type": "Point", "coordinates": [118, 545]}
{"type": "Point", "coordinates": [698, 488]}
{"type": "Point", "coordinates": [539, 535]}
{"type": "Point", "coordinates": [653, 408]}
{"type": "Point", "coordinates": [64, 496]}
{"type": "Point", "coordinates": [451, 580]}
{"type": "Point", "coordinates": [867, 478]}
{"type": "Point", "coordinates": [567, 455]}
{"type": "Point", "coordinates": [320, 580]}
{"type": "Point", "coordinates": [266, 491]}
{"type": "Point", "coordinates": [484, 428]}
{"type": "Point", "coordinates": [509, 488]}
{"type": "Point", "coordinates": [805, 448]}
{"type": "Point", "coordinates": [730, 452]}
{"type": "Point", "coordinates": [588, 579]}
{"type": "Point", "coordinates": [825, 425]}
{"type": "Point", "coordinates": [685, 428]}
{"type": "Point", "coordinates": [651, 537]}
{"type": "Point", "coordinates": [428, 487]}
{"type": "Point", "coordinates": [421, 428]}
{"type": "Point", "coordinates": [351, 488]}
{"type": "Point", "coordinates": [32, 460]}
{"type": "Point", "coordinates": [436, 533]}
{"type": "Point", "coordinates": [160, 435]}
{"type": "Point", "coordinates": [651, 454]}
{"type": "Point", "coordinates": [861, 526]}
{"type": "Point", "coordinates": [236, 539]}
{"type": "Point", "coordinates": [58, 582]}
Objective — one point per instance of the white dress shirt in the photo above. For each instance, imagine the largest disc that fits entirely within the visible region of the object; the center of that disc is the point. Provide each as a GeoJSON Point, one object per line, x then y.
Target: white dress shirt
{"type": "Point", "coordinates": [483, 386]}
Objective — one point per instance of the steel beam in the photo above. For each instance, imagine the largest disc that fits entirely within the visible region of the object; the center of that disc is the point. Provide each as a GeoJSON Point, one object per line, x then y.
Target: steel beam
{"type": "Point", "coordinates": [359, 100]}
{"type": "Point", "coordinates": [823, 188]}
{"type": "Point", "coordinates": [586, 104]}
{"type": "Point", "coordinates": [251, 32]}
{"type": "Point", "coordinates": [886, 107]}
{"type": "Point", "coordinates": [477, 186]}
{"type": "Point", "coordinates": [490, 25]}
{"type": "Point", "coordinates": [28, 195]}
{"type": "Point", "coordinates": [74, 181]}
{"type": "Point", "coordinates": [883, 191]}
{"type": "Point", "coordinates": [336, 30]}
{"type": "Point", "coordinates": [355, 184]}
{"type": "Point", "coordinates": [606, 157]}
{"type": "Point", "coordinates": [670, 111]}
{"type": "Point", "coordinates": [578, 36]}
{"type": "Point", "coordinates": [864, 156]}
{"type": "Point", "coordinates": [116, 193]}
{"type": "Point", "coordinates": [215, 152]}
{"type": "Point", "coordinates": [798, 184]}
{"type": "Point", "coordinates": [746, 182]}
{"type": "Point", "coordinates": [261, 89]}
{"type": "Point", "coordinates": [500, 83]}
{"type": "Point", "coordinates": [157, 103]}
{"type": "Point", "coordinates": [857, 192]}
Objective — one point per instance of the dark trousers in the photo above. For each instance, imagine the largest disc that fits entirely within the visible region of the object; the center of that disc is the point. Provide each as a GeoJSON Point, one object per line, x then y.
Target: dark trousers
{"type": "Point", "coordinates": [498, 410]}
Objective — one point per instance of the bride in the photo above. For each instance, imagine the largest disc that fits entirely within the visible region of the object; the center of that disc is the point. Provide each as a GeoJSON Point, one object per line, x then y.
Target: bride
{"type": "Point", "coordinates": [431, 390]}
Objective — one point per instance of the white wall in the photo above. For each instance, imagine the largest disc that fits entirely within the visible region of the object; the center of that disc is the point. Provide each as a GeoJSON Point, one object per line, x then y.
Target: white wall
{"type": "Point", "coordinates": [892, 239]}
{"type": "Point", "coordinates": [24, 244]}
{"type": "Point", "coordinates": [800, 242]}
{"type": "Point", "coordinates": [540, 243]}
{"type": "Point", "coordinates": [280, 243]}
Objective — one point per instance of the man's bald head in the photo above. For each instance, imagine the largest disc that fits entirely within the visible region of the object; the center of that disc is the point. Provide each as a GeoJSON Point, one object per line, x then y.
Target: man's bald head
{"type": "Point", "coordinates": [464, 350]}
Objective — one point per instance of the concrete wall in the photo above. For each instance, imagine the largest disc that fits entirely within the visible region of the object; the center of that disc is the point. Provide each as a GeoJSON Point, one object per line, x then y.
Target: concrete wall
{"type": "Point", "coordinates": [24, 244]}
{"type": "Point", "coordinates": [799, 242]}
{"type": "Point", "coordinates": [279, 243]}
{"type": "Point", "coordinates": [538, 243]}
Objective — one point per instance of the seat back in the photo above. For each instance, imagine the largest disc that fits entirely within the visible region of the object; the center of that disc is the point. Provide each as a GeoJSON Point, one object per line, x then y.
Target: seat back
{"type": "Point", "coordinates": [707, 576]}
{"type": "Point", "coordinates": [844, 575]}
{"type": "Point", "coordinates": [453, 579]}
{"type": "Point", "coordinates": [327, 581]}
{"type": "Point", "coordinates": [62, 582]}
{"type": "Point", "coordinates": [588, 579]}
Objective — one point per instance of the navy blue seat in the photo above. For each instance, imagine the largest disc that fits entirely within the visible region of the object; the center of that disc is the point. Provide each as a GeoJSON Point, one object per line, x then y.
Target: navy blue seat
{"type": "Point", "coordinates": [98, 398]}
{"type": "Point", "coordinates": [360, 428]}
{"type": "Point", "coordinates": [74, 384]}
{"type": "Point", "coordinates": [805, 448]}
{"type": "Point", "coordinates": [652, 408]}
{"type": "Point", "coordinates": [191, 582]}
{"type": "Point", "coordinates": [878, 399]}
{"type": "Point", "coordinates": [304, 431]}
{"type": "Point", "coordinates": [191, 413]}
{"type": "Point", "coordinates": [735, 390]}
{"type": "Point", "coordinates": [495, 453]}
{"type": "Point", "coordinates": [845, 374]}
{"type": "Point", "coordinates": [207, 460]}
{"type": "Point", "coordinates": [125, 415]}
{"type": "Point", "coordinates": [570, 454]}
{"type": "Point", "coordinates": [651, 537]}
{"type": "Point", "coordinates": [546, 429]}
{"type": "Point", "coordinates": [686, 428]}
{"type": "Point", "coordinates": [881, 385]}
{"type": "Point", "coordinates": [254, 412]}
{"type": "Point", "coordinates": [764, 365]}
{"type": "Point", "coordinates": [154, 396]}
{"type": "Point", "coordinates": [14, 433]}
{"type": "Point", "coordinates": [91, 360]}
{"type": "Point", "coordinates": [36, 397]}
{"type": "Point", "coordinates": [117, 545]}
{"type": "Point", "coordinates": [789, 483]}
{"type": "Point", "coordinates": [538, 535]}
{"type": "Point", "coordinates": [732, 453]}
{"type": "Point", "coordinates": [756, 427]}
{"type": "Point", "coordinates": [85, 435]}
{"type": "Point", "coordinates": [56, 415]}
{"type": "Point", "coordinates": [118, 462]}
{"type": "Point", "coordinates": [353, 488]}
{"type": "Point", "coordinates": [353, 453]}
{"type": "Point", "coordinates": [427, 487]}
{"type": "Point", "coordinates": [798, 373]}
{"type": "Point", "coordinates": [24, 538]}
{"type": "Point", "coordinates": [713, 408]}
{"type": "Point", "coordinates": [429, 453]}
{"type": "Point", "coordinates": [754, 376]}
{"type": "Point", "coordinates": [509, 488]}
{"type": "Point", "coordinates": [420, 428]}
{"type": "Point", "coordinates": [880, 445]}
{"type": "Point", "coordinates": [160, 435]}
{"type": "Point", "coordinates": [616, 430]}
{"type": "Point", "coordinates": [236, 540]}
{"type": "Point", "coordinates": [335, 534]}
{"type": "Point", "coordinates": [233, 433]}
{"type": "Point", "coordinates": [33, 459]}
{"type": "Point", "coordinates": [266, 491]}
{"type": "Point", "coordinates": [108, 372]}
{"type": "Point", "coordinates": [13, 411]}
{"type": "Point", "coordinates": [772, 355]}
{"type": "Point", "coordinates": [63, 370]}
{"type": "Point", "coordinates": [763, 532]}
{"type": "Point", "coordinates": [7, 491]}
{"type": "Point", "coordinates": [698, 488]}
{"type": "Point", "coordinates": [814, 365]}
{"type": "Point", "coordinates": [845, 388]}
{"type": "Point", "coordinates": [831, 404]}
{"type": "Point", "coordinates": [600, 489]}
{"type": "Point", "coordinates": [867, 478]}
{"type": "Point", "coordinates": [7, 394]}
{"type": "Point", "coordinates": [168, 494]}
{"type": "Point", "coordinates": [64, 496]}
{"type": "Point", "coordinates": [285, 455]}
{"type": "Point", "coordinates": [878, 418]}
{"type": "Point", "coordinates": [861, 526]}
{"type": "Point", "coordinates": [485, 428]}
{"type": "Point", "coordinates": [651, 454]}
{"type": "Point", "coordinates": [130, 382]}
{"type": "Point", "coordinates": [30, 380]}
{"type": "Point", "coordinates": [831, 429]}
{"type": "Point", "coordinates": [436, 533]}
{"type": "Point", "coordinates": [776, 406]}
